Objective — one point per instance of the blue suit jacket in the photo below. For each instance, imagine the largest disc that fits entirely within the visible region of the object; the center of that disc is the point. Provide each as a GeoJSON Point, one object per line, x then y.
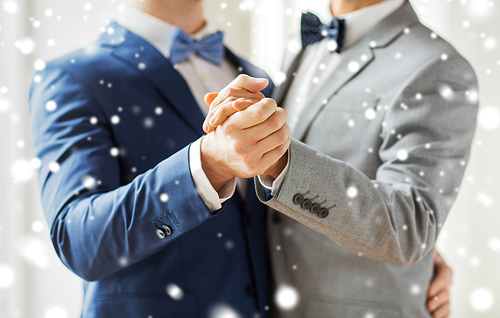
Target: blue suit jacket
{"type": "Point", "coordinates": [103, 209]}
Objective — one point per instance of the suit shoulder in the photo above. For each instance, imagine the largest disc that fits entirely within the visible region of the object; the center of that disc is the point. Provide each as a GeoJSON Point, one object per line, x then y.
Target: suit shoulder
{"type": "Point", "coordinates": [428, 43]}
{"type": "Point", "coordinates": [88, 61]}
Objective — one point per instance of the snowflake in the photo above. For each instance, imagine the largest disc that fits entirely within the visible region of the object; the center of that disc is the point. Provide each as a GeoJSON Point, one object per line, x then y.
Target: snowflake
{"type": "Point", "coordinates": [223, 311]}
{"type": "Point", "coordinates": [446, 92]}
{"type": "Point", "coordinates": [402, 155]}
{"type": "Point", "coordinates": [114, 152]}
{"type": "Point", "coordinates": [89, 182]}
{"type": "Point", "coordinates": [148, 122]}
{"type": "Point", "coordinates": [174, 291]}
{"type": "Point", "coordinates": [164, 197]}
{"type": "Point", "coordinates": [51, 106]}
{"type": "Point", "coordinates": [489, 117]}
{"type": "Point", "coordinates": [287, 297]}
{"type": "Point", "coordinates": [229, 244]}
{"type": "Point", "coordinates": [39, 65]}
{"type": "Point", "coordinates": [115, 119]}
{"type": "Point", "coordinates": [21, 170]}
{"type": "Point", "coordinates": [370, 114]}
{"type": "Point", "coordinates": [482, 299]}
{"type": "Point", "coordinates": [352, 192]}
{"type": "Point", "coordinates": [35, 163]}
{"type": "Point", "coordinates": [415, 289]}
{"type": "Point", "coordinates": [37, 226]}
{"type": "Point", "coordinates": [353, 66]}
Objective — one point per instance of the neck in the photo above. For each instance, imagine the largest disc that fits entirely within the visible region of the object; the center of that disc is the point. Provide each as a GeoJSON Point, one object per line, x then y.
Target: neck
{"type": "Point", "coordinates": [341, 7]}
{"type": "Point", "coordinates": [186, 14]}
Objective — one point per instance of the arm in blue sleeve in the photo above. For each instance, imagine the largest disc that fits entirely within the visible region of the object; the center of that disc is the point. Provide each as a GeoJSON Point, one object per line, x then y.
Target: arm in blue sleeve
{"type": "Point", "coordinates": [98, 224]}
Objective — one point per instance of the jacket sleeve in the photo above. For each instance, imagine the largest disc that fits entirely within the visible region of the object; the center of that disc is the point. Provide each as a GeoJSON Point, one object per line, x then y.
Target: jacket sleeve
{"type": "Point", "coordinates": [396, 217]}
{"type": "Point", "coordinates": [99, 225]}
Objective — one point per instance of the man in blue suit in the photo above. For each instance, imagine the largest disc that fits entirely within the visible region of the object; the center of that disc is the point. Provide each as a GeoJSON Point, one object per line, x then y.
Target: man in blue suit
{"type": "Point", "coordinates": [123, 192]}
{"type": "Point", "coordinates": [133, 207]}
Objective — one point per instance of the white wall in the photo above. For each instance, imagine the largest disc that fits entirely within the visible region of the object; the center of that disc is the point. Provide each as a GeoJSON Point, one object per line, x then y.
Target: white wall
{"type": "Point", "coordinates": [257, 29]}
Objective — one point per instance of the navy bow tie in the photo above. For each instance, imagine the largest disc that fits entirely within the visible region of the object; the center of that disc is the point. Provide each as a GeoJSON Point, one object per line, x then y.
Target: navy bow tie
{"type": "Point", "coordinates": [312, 31]}
{"type": "Point", "coordinates": [211, 48]}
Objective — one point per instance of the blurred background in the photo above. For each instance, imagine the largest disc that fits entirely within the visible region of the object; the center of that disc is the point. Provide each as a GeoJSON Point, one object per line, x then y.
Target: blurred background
{"type": "Point", "coordinates": [34, 283]}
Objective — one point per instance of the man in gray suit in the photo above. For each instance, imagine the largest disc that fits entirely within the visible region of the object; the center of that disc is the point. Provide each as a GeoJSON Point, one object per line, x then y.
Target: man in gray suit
{"type": "Point", "coordinates": [382, 113]}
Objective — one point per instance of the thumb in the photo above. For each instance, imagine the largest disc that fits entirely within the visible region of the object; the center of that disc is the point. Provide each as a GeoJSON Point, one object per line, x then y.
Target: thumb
{"type": "Point", "coordinates": [209, 98]}
{"type": "Point", "coordinates": [251, 84]}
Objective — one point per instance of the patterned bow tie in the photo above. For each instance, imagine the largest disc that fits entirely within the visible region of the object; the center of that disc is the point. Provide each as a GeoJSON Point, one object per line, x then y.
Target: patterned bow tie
{"type": "Point", "coordinates": [312, 31]}
{"type": "Point", "coordinates": [210, 48]}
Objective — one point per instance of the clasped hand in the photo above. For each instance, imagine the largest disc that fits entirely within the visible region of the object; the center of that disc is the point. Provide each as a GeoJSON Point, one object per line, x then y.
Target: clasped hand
{"type": "Point", "coordinates": [246, 133]}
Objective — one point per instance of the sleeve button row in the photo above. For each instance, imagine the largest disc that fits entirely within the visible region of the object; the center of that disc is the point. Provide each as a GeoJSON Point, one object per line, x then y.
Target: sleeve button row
{"type": "Point", "coordinates": [307, 204]}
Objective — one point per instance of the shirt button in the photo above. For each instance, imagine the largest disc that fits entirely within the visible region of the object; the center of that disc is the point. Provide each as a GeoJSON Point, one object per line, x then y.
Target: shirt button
{"type": "Point", "coordinates": [209, 206]}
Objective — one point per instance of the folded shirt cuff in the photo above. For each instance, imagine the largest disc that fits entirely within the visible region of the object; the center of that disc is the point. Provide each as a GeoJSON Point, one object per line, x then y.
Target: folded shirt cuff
{"type": "Point", "coordinates": [212, 199]}
{"type": "Point", "coordinates": [271, 184]}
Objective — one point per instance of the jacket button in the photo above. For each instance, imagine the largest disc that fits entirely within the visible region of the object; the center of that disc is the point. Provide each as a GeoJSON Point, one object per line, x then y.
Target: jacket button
{"type": "Point", "coordinates": [306, 205]}
{"type": "Point", "coordinates": [298, 199]}
{"type": "Point", "coordinates": [251, 291]}
{"type": "Point", "coordinates": [160, 233]}
{"type": "Point", "coordinates": [323, 213]}
{"type": "Point", "coordinates": [315, 208]}
{"type": "Point", "coordinates": [167, 230]}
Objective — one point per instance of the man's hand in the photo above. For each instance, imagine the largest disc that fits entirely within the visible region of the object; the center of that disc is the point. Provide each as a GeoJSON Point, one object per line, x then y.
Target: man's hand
{"type": "Point", "coordinates": [439, 291]}
{"type": "Point", "coordinates": [247, 144]}
{"type": "Point", "coordinates": [241, 93]}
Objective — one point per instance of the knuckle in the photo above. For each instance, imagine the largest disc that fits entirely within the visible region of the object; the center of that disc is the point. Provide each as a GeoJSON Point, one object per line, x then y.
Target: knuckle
{"type": "Point", "coordinates": [242, 77]}
{"type": "Point", "coordinates": [276, 122]}
{"type": "Point", "coordinates": [286, 129]}
{"type": "Point", "coordinates": [282, 113]}
{"type": "Point", "coordinates": [259, 113]}
{"type": "Point", "coordinates": [283, 136]}
{"type": "Point", "coordinates": [237, 147]}
{"type": "Point", "coordinates": [270, 102]}
{"type": "Point", "coordinates": [230, 91]}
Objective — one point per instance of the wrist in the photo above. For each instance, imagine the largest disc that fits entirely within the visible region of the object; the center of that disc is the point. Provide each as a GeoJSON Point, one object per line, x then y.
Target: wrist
{"type": "Point", "coordinates": [213, 167]}
{"type": "Point", "coordinates": [275, 170]}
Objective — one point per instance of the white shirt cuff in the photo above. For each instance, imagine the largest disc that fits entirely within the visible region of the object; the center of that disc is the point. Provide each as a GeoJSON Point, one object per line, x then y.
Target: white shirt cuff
{"type": "Point", "coordinates": [212, 199]}
{"type": "Point", "coordinates": [272, 184]}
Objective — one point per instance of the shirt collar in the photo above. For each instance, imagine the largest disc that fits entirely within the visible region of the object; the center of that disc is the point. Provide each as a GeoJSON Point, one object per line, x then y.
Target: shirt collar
{"type": "Point", "coordinates": [359, 22]}
{"type": "Point", "coordinates": [154, 30]}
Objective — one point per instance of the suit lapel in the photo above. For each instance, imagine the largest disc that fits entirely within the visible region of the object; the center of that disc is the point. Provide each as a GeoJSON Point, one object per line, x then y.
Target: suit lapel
{"type": "Point", "coordinates": [158, 70]}
{"type": "Point", "coordinates": [353, 61]}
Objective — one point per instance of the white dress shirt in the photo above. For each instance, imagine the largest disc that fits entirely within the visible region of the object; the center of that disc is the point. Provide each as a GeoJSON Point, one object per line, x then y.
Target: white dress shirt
{"type": "Point", "coordinates": [201, 76]}
{"type": "Point", "coordinates": [317, 63]}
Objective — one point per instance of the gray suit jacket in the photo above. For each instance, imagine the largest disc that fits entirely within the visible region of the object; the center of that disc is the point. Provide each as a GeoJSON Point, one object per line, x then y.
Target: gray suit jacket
{"type": "Point", "coordinates": [383, 186]}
